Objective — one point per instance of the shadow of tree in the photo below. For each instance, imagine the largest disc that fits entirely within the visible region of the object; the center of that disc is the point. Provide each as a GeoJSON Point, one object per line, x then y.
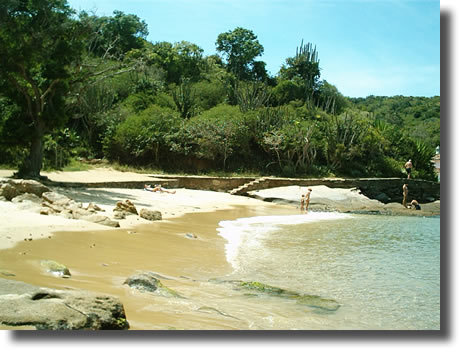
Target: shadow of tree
{"type": "Point", "coordinates": [99, 196]}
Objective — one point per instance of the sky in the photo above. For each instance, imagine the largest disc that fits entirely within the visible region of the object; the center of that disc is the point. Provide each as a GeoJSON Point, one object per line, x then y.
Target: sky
{"type": "Point", "coordinates": [365, 47]}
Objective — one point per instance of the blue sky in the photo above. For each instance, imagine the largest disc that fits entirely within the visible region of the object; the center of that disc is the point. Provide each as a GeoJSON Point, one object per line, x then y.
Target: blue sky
{"type": "Point", "coordinates": [366, 47]}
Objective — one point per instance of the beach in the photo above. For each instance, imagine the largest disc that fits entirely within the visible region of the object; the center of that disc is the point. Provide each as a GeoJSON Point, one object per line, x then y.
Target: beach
{"type": "Point", "coordinates": [184, 248]}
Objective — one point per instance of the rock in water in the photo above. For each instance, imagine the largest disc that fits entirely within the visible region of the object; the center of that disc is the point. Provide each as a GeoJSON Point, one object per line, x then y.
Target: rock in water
{"type": "Point", "coordinates": [22, 304]}
{"type": "Point", "coordinates": [318, 303]}
{"type": "Point", "coordinates": [55, 268]}
{"type": "Point", "coordinates": [147, 282]}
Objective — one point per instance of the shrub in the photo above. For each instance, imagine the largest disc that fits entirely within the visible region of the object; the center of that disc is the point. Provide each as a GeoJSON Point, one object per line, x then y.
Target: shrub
{"type": "Point", "coordinates": [142, 138]}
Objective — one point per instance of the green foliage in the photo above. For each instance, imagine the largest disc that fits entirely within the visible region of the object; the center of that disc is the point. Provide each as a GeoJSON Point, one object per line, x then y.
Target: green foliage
{"type": "Point", "coordinates": [240, 47]}
{"type": "Point", "coordinates": [60, 148]}
{"type": "Point", "coordinates": [178, 61]}
{"type": "Point", "coordinates": [218, 133]}
{"type": "Point", "coordinates": [418, 116]}
{"type": "Point", "coordinates": [93, 86]}
{"type": "Point", "coordinates": [114, 35]}
{"type": "Point", "coordinates": [303, 69]}
{"type": "Point", "coordinates": [143, 138]}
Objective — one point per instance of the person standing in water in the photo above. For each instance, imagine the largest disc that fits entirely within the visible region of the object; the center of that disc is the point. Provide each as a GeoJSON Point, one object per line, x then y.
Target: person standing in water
{"type": "Point", "coordinates": [405, 193]}
{"type": "Point", "coordinates": [302, 203]}
{"type": "Point", "coordinates": [307, 200]}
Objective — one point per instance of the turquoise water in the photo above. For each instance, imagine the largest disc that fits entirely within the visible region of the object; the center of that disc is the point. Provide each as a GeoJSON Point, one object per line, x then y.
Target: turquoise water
{"type": "Point", "coordinates": [384, 271]}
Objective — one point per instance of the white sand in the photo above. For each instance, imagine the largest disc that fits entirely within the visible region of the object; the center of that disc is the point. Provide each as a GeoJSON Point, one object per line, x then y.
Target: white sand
{"type": "Point", "coordinates": [21, 221]}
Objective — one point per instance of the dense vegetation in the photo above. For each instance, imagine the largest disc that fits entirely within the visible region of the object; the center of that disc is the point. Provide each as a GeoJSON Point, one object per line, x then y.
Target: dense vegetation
{"type": "Point", "coordinates": [87, 86]}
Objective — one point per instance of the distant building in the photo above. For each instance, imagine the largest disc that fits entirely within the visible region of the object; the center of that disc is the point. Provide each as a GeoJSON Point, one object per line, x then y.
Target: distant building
{"type": "Point", "coordinates": [436, 160]}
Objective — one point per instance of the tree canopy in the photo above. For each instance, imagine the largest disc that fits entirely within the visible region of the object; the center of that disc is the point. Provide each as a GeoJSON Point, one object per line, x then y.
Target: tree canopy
{"type": "Point", "coordinates": [87, 86]}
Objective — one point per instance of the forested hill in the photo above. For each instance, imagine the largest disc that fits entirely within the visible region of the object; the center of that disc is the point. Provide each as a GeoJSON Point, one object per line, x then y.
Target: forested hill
{"type": "Point", "coordinates": [79, 85]}
{"type": "Point", "coordinates": [419, 116]}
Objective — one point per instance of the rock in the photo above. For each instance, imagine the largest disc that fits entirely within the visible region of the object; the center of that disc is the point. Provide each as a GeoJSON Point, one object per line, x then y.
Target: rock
{"type": "Point", "coordinates": [148, 282]}
{"type": "Point", "coordinates": [119, 215]}
{"type": "Point", "coordinates": [93, 207]}
{"type": "Point", "coordinates": [80, 213]}
{"type": "Point", "coordinates": [8, 191]}
{"type": "Point", "coordinates": [126, 206]}
{"type": "Point", "coordinates": [56, 198]}
{"type": "Point", "coordinates": [32, 186]}
{"type": "Point", "coordinates": [46, 211]}
{"type": "Point", "coordinates": [102, 220]}
{"type": "Point", "coordinates": [318, 303]}
{"type": "Point", "coordinates": [22, 304]}
{"type": "Point", "coordinates": [151, 215]}
{"type": "Point", "coordinates": [55, 268]}
{"type": "Point", "coordinates": [27, 197]}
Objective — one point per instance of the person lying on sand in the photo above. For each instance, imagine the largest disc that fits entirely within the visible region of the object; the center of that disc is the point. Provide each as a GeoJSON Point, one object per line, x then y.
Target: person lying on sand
{"type": "Point", "coordinates": [157, 188]}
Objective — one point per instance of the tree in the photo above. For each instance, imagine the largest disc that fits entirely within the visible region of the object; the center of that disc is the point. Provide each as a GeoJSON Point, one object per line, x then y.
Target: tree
{"type": "Point", "coordinates": [114, 35]}
{"type": "Point", "coordinates": [40, 43]}
{"type": "Point", "coordinates": [182, 60]}
{"type": "Point", "coordinates": [304, 69]}
{"type": "Point", "coordinates": [240, 47]}
{"type": "Point", "coordinates": [43, 58]}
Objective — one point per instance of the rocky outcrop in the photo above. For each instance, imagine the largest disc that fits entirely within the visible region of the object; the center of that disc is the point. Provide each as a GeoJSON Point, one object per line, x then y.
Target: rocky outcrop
{"type": "Point", "coordinates": [22, 304]}
{"type": "Point", "coordinates": [52, 203]}
{"type": "Point", "coordinates": [55, 203]}
{"type": "Point", "coordinates": [12, 188]}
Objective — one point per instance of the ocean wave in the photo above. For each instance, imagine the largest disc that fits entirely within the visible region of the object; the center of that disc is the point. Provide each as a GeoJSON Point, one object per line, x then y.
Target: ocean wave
{"type": "Point", "coordinates": [250, 230]}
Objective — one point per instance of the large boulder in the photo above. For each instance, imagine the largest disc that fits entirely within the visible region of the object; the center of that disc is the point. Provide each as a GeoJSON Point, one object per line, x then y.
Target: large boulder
{"type": "Point", "coordinates": [22, 304]}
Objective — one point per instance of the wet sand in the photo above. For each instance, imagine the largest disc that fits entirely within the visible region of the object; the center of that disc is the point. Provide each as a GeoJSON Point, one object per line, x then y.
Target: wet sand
{"type": "Point", "coordinates": [100, 261]}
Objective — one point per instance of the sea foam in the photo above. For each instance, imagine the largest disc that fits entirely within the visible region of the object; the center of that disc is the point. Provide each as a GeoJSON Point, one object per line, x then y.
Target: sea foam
{"type": "Point", "coordinates": [249, 231]}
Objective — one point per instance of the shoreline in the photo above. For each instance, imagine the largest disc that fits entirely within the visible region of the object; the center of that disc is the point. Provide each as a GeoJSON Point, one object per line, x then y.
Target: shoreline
{"type": "Point", "coordinates": [100, 261]}
{"type": "Point", "coordinates": [184, 247]}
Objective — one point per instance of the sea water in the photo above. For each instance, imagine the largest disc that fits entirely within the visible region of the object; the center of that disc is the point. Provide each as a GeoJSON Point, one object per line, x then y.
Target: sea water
{"type": "Point", "coordinates": [383, 271]}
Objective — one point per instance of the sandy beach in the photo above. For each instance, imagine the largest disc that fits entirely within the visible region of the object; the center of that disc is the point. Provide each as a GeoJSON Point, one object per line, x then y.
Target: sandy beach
{"type": "Point", "coordinates": [22, 221]}
{"type": "Point", "coordinates": [184, 247]}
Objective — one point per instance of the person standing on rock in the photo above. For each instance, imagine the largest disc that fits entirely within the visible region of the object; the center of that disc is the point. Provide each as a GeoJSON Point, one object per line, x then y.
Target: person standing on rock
{"type": "Point", "coordinates": [405, 193]}
{"type": "Point", "coordinates": [408, 167]}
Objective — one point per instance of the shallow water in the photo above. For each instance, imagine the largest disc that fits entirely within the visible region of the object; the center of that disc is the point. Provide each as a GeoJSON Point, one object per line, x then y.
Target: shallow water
{"type": "Point", "coordinates": [383, 271]}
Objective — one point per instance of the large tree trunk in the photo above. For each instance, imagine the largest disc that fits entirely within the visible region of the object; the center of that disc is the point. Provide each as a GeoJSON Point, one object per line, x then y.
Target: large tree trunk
{"type": "Point", "coordinates": [32, 165]}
